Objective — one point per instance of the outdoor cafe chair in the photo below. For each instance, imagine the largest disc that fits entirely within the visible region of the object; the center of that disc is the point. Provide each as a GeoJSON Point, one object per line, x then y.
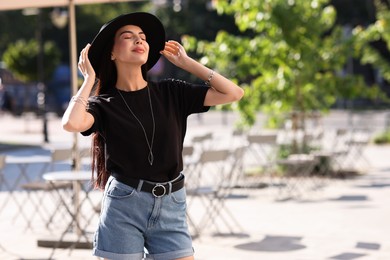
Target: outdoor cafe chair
{"type": "Point", "coordinates": [2, 178]}
{"type": "Point", "coordinates": [85, 157]}
{"type": "Point", "coordinates": [237, 164]}
{"type": "Point", "coordinates": [210, 184]}
{"type": "Point", "coordinates": [296, 179]}
{"type": "Point", "coordinates": [360, 138]}
{"type": "Point", "coordinates": [188, 153]}
{"type": "Point", "coordinates": [2, 166]}
{"type": "Point", "coordinates": [38, 190]}
{"type": "Point", "coordinates": [237, 138]}
{"type": "Point", "coordinates": [334, 149]}
{"type": "Point", "coordinates": [262, 149]}
{"type": "Point", "coordinates": [79, 207]}
{"type": "Point", "coordinates": [202, 142]}
{"type": "Point", "coordinates": [189, 159]}
{"type": "Point", "coordinates": [347, 150]}
{"type": "Point", "coordinates": [3, 181]}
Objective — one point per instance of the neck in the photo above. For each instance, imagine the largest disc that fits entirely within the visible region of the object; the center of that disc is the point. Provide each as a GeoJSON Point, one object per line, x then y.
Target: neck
{"type": "Point", "coordinates": [130, 80]}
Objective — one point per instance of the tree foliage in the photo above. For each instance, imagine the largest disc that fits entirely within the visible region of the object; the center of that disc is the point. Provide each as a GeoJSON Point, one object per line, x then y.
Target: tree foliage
{"type": "Point", "coordinates": [21, 57]}
{"type": "Point", "coordinates": [373, 42]}
{"type": "Point", "coordinates": [290, 56]}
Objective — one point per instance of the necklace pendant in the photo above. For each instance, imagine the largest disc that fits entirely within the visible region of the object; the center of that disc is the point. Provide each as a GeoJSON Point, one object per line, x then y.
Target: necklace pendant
{"type": "Point", "coordinates": [151, 158]}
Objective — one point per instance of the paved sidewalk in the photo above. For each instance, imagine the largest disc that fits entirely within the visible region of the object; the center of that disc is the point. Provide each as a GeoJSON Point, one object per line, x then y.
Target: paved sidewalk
{"type": "Point", "coordinates": [346, 220]}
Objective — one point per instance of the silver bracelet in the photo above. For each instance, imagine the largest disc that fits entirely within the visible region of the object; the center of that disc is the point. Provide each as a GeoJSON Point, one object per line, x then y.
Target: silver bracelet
{"type": "Point", "coordinates": [80, 100]}
{"type": "Point", "coordinates": [208, 81]}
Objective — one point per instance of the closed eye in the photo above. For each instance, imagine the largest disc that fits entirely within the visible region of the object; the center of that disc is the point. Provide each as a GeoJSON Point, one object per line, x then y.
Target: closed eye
{"type": "Point", "coordinates": [130, 35]}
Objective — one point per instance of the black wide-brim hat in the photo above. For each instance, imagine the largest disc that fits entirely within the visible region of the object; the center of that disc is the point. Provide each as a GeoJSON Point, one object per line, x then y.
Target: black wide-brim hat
{"type": "Point", "coordinates": [150, 25]}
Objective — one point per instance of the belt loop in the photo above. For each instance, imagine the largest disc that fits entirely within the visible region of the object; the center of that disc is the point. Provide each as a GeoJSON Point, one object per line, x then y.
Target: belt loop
{"type": "Point", "coordinates": [170, 187]}
{"type": "Point", "coordinates": [140, 183]}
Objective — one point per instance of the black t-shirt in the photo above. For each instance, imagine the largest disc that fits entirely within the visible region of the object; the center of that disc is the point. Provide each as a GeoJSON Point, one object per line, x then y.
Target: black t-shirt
{"type": "Point", "coordinates": [126, 148]}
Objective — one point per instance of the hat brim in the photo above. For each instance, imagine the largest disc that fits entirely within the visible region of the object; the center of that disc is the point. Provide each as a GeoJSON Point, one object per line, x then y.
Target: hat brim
{"type": "Point", "coordinates": [150, 25]}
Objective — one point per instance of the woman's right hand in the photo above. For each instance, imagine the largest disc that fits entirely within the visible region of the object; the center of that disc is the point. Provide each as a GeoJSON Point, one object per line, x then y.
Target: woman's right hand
{"type": "Point", "coordinates": [84, 64]}
{"type": "Point", "coordinates": [76, 118]}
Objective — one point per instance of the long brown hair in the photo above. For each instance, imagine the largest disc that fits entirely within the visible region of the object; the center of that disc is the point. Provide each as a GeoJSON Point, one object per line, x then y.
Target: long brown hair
{"type": "Point", "coordinates": [107, 77]}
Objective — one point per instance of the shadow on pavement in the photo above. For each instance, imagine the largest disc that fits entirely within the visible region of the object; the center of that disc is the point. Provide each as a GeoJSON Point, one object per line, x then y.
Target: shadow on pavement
{"type": "Point", "coordinates": [274, 244]}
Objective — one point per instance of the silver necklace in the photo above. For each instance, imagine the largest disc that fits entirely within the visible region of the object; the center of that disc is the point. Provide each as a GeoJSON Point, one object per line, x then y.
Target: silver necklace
{"type": "Point", "coordinates": [150, 144]}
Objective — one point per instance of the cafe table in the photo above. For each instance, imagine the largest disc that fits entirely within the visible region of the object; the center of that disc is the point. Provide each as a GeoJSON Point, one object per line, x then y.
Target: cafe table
{"type": "Point", "coordinates": [80, 198]}
{"type": "Point", "coordinates": [23, 174]}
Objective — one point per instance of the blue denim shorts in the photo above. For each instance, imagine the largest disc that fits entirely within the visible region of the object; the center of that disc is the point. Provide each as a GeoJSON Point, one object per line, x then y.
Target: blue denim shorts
{"type": "Point", "coordinates": [135, 225]}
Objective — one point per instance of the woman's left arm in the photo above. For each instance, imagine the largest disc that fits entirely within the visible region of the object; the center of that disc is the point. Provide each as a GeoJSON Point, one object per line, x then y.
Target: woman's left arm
{"type": "Point", "coordinates": [222, 90]}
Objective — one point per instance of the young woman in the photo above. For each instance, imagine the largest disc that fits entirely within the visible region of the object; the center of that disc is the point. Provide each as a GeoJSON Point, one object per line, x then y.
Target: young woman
{"type": "Point", "coordinates": [138, 131]}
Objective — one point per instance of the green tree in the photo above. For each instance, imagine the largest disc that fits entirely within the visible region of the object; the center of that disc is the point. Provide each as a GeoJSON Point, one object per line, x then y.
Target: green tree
{"type": "Point", "coordinates": [373, 42]}
{"type": "Point", "coordinates": [290, 58]}
{"type": "Point", "coordinates": [22, 57]}
{"type": "Point", "coordinates": [14, 25]}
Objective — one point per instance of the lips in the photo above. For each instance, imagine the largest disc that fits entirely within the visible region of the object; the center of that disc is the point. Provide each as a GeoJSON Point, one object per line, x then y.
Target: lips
{"type": "Point", "coordinates": [139, 50]}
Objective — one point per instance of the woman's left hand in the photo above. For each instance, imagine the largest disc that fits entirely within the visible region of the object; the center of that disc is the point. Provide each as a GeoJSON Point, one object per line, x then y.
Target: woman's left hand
{"type": "Point", "coordinates": [175, 53]}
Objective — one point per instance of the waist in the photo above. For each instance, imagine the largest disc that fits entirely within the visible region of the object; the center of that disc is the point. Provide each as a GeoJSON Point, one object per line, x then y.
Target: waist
{"type": "Point", "coordinates": [157, 189]}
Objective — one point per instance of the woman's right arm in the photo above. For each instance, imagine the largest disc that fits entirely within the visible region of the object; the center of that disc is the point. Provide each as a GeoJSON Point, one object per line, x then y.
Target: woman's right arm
{"type": "Point", "coordinates": [76, 118]}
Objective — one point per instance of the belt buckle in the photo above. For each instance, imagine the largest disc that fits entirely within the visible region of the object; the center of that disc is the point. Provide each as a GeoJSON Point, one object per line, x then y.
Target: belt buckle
{"type": "Point", "coordinates": [155, 189]}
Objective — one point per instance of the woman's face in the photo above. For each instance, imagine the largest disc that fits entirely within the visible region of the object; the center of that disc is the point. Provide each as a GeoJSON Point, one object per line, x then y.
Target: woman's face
{"type": "Point", "coordinates": [130, 46]}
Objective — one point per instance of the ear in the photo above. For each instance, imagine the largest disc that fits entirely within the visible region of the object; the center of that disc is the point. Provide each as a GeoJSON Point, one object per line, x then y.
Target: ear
{"type": "Point", "coordinates": [112, 56]}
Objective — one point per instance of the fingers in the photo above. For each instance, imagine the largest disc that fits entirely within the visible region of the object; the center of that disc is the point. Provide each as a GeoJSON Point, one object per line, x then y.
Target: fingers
{"type": "Point", "coordinates": [84, 53]}
{"type": "Point", "coordinates": [81, 60]}
{"type": "Point", "coordinates": [84, 62]}
{"type": "Point", "coordinates": [172, 48]}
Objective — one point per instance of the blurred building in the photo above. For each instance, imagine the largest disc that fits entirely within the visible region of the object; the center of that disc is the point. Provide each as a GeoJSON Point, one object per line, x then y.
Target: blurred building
{"type": "Point", "coordinates": [22, 97]}
{"type": "Point", "coordinates": [58, 90]}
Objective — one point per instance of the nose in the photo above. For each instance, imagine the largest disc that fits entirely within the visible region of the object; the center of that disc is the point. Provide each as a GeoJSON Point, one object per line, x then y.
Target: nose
{"type": "Point", "coordinates": [138, 40]}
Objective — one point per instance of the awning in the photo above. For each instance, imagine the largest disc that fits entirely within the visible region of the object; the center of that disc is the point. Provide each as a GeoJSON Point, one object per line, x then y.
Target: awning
{"type": "Point", "coordinates": [21, 4]}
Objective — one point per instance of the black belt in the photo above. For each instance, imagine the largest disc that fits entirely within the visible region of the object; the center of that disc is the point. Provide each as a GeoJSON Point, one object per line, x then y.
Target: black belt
{"type": "Point", "coordinates": [157, 189]}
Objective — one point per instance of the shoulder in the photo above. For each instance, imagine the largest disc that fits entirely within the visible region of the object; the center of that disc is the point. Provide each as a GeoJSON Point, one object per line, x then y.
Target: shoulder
{"type": "Point", "coordinates": [179, 87]}
{"type": "Point", "coordinates": [171, 82]}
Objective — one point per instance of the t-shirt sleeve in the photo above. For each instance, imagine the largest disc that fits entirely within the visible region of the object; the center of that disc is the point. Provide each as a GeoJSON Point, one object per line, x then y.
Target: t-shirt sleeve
{"type": "Point", "coordinates": [191, 96]}
{"type": "Point", "coordinates": [93, 109]}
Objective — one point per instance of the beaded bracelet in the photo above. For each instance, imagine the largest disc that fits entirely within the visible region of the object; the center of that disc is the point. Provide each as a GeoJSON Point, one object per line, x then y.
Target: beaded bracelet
{"type": "Point", "coordinates": [78, 99]}
{"type": "Point", "coordinates": [208, 81]}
